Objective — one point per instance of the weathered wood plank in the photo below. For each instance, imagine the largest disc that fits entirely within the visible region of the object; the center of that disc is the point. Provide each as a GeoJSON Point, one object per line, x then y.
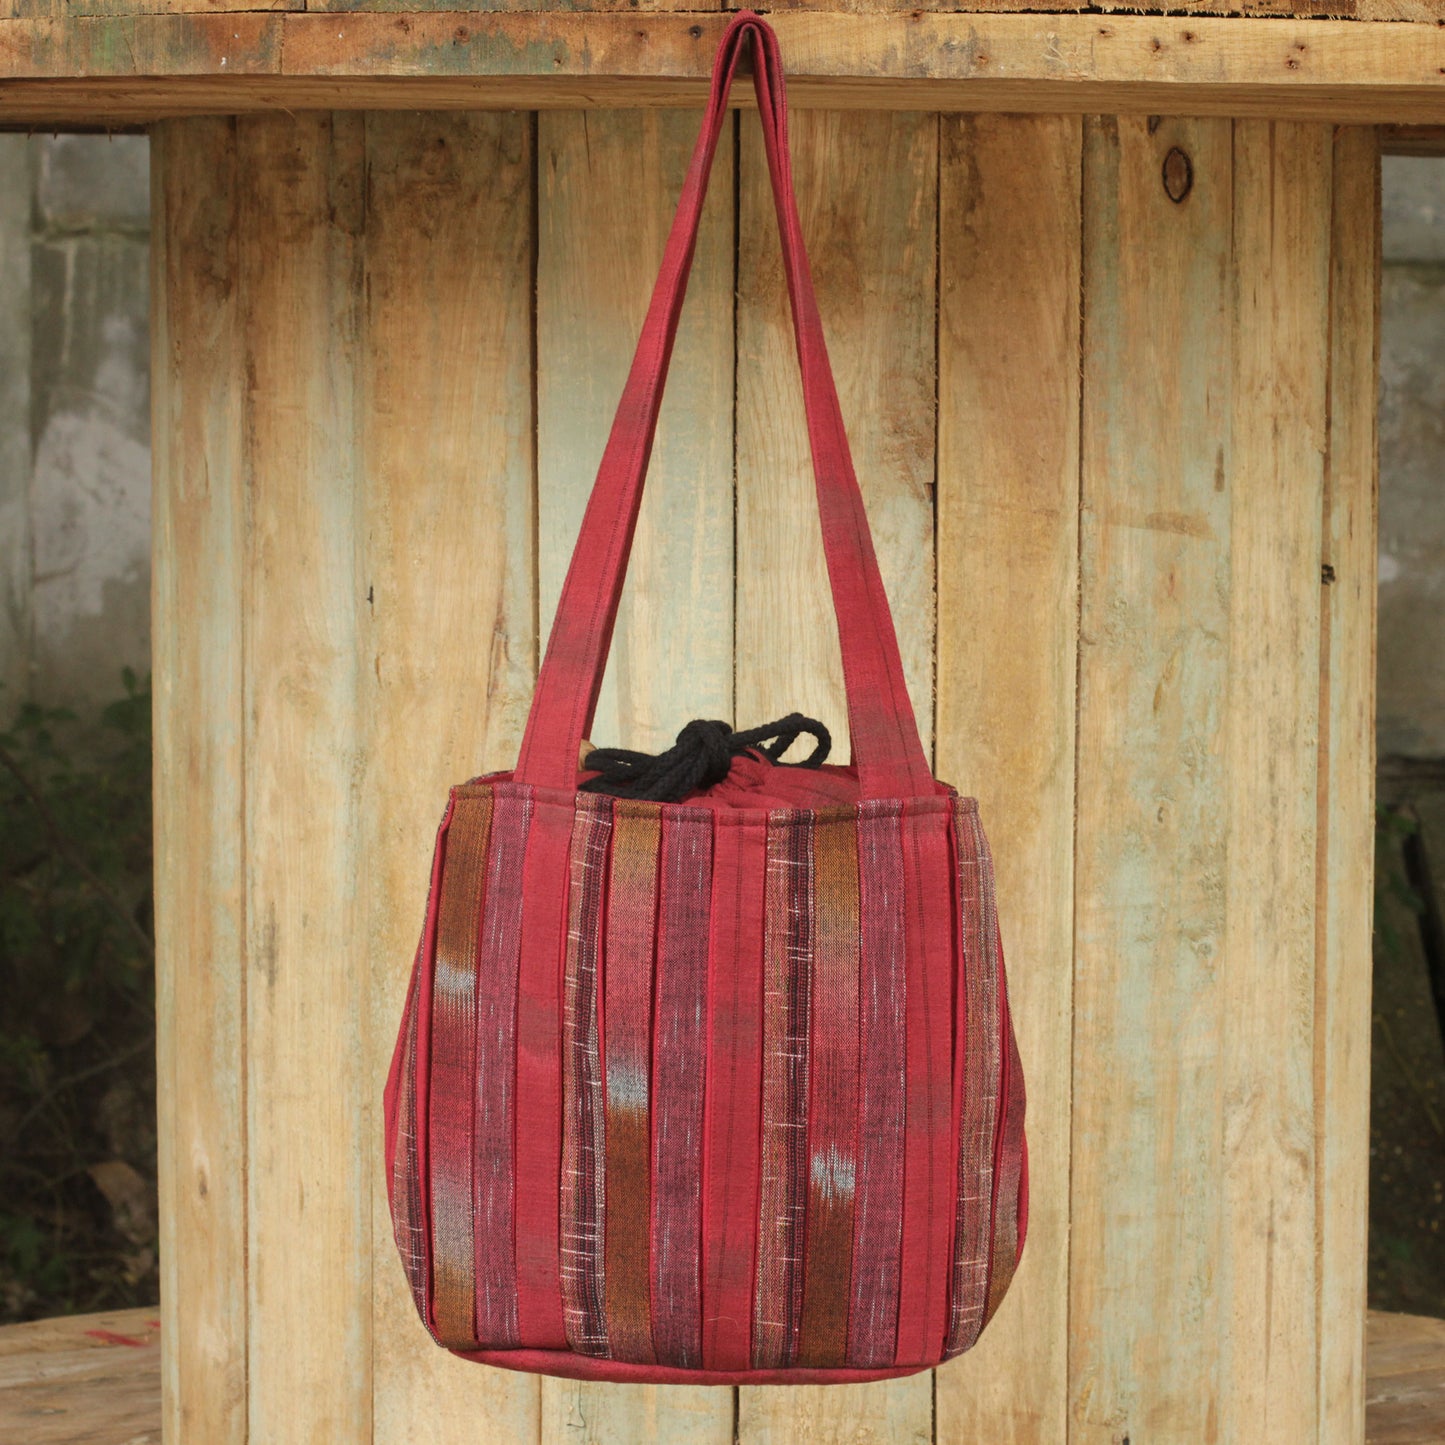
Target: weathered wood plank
{"type": "Point", "coordinates": [1406, 1382]}
{"type": "Point", "coordinates": [1346, 805]}
{"type": "Point", "coordinates": [1264, 1086]}
{"type": "Point", "coordinates": [16, 460]}
{"type": "Point", "coordinates": [608, 187]}
{"type": "Point", "coordinates": [873, 251]}
{"type": "Point", "coordinates": [899, 1412]}
{"type": "Point", "coordinates": [1127, 64]}
{"type": "Point", "coordinates": [448, 625]}
{"type": "Point", "coordinates": [1152, 823]}
{"type": "Point", "coordinates": [1008, 518]}
{"type": "Point", "coordinates": [199, 521]}
{"type": "Point", "coordinates": [309, 1106]}
{"type": "Point", "coordinates": [872, 248]}
{"type": "Point", "coordinates": [134, 9]}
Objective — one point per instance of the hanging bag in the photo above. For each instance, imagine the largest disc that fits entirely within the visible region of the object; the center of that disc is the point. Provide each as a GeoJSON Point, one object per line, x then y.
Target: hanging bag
{"type": "Point", "coordinates": [721, 1090]}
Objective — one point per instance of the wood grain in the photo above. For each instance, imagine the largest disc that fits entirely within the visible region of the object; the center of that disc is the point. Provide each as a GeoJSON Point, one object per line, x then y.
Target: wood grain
{"type": "Point", "coordinates": [608, 185]}
{"type": "Point", "coordinates": [1008, 520]}
{"type": "Point", "coordinates": [1346, 801]}
{"type": "Point", "coordinates": [129, 68]}
{"type": "Point", "coordinates": [1147, 1255]}
{"type": "Point", "coordinates": [310, 1110]}
{"type": "Point", "coordinates": [1265, 1270]}
{"type": "Point", "coordinates": [448, 626]}
{"type": "Point", "coordinates": [1406, 1356]}
{"type": "Point", "coordinates": [199, 522]}
{"type": "Point", "coordinates": [872, 249]}
{"type": "Point", "coordinates": [873, 254]}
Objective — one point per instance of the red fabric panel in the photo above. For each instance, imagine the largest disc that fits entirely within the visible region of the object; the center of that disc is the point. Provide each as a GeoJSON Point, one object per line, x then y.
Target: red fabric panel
{"type": "Point", "coordinates": [833, 1101]}
{"type": "Point", "coordinates": [731, 1108]}
{"type": "Point", "coordinates": [495, 1071]}
{"type": "Point", "coordinates": [783, 1187]}
{"type": "Point", "coordinates": [538, 1138]}
{"type": "Point", "coordinates": [883, 1010]}
{"type": "Point", "coordinates": [584, 1152]}
{"type": "Point", "coordinates": [679, 1073]}
{"type": "Point", "coordinates": [454, 1031]}
{"type": "Point", "coordinates": [627, 1026]}
{"type": "Point", "coordinates": [979, 1069]}
{"type": "Point", "coordinates": [928, 1184]}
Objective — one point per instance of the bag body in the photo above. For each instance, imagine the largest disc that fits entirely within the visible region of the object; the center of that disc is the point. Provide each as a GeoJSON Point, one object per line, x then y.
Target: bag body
{"type": "Point", "coordinates": [726, 1090]}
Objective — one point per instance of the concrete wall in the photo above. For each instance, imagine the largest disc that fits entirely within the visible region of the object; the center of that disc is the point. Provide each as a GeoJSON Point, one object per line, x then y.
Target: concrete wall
{"type": "Point", "coordinates": [74, 416]}
{"type": "Point", "coordinates": [74, 428]}
{"type": "Point", "coordinates": [1411, 714]}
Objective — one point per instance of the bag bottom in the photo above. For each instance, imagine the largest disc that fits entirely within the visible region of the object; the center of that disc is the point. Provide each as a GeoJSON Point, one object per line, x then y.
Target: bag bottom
{"type": "Point", "coordinates": [567, 1365]}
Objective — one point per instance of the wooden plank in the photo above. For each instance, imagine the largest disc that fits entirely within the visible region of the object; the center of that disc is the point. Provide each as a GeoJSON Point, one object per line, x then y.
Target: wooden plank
{"type": "Point", "coordinates": [133, 9]}
{"type": "Point", "coordinates": [873, 250]}
{"type": "Point", "coordinates": [1127, 64]}
{"type": "Point", "coordinates": [448, 624]}
{"type": "Point", "coordinates": [608, 186]}
{"type": "Point", "coordinates": [1407, 1380]}
{"type": "Point", "coordinates": [897, 1411]}
{"type": "Point", "coordinates": [1346, 803]}
{"type": "Point", "coordinates": [1152, 822]}
{"type": "Point", "coordinates": [82, 1380]}
{"type": "Point", "coordinates": [1264, 1085]}
{"type": "Point", "coordinates": [310, 1111]}
{"type": "Point", "coordinates": [1008, 518]}
{"type": "Point", "coordinates": [198, 555]}
{"type": "Point", "coordinates": [874, 265]}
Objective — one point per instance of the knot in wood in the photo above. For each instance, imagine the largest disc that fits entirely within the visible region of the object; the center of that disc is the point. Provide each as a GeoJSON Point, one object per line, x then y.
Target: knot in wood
{"type": "Point", "coordinates": [1178, 174]}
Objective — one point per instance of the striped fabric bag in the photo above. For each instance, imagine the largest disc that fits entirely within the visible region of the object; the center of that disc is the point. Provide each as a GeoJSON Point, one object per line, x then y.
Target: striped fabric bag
{"type": "Point", "coordinates": [723, 1090]}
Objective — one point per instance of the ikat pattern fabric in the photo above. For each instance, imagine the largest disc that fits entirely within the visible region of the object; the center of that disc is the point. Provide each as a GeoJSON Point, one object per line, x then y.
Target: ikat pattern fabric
{"type": "Point", "coordinates": [788, 1138]}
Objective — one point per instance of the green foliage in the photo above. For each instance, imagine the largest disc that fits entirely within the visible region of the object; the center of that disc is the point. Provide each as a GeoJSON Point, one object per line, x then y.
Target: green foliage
{"type": "Point", "coordinates": [77, 1085]}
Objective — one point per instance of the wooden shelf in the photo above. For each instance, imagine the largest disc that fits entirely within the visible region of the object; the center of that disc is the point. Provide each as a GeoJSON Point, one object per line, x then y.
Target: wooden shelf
{"type": "Point", "coordinates": [129, 69]}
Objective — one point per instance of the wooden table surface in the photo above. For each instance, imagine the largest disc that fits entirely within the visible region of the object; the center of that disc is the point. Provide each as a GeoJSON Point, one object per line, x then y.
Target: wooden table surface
{"type": "Point", "coordinates": [96, 1380]}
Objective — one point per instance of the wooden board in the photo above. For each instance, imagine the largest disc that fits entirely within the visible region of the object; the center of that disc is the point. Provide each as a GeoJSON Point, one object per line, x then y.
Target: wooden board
{"type": "Point", "coordinates": [607, 187]}
{"type": "Point", "coordinates": [1008, 517]}
{"type": "Point", "coordinates": [448, 628]}
{"type": "Point", "coordinates": [1146, 1318]}
{"type": "Point", "coordinates": [873, 250]}
{"type": "Point", "coordinates": [1406, 1404]}
{"type": "Point", "coordinates": [309, 1102]}
{"type": "Point", "coordinates": [1346, 802]}
{"type": "Point", "coordinates": [202, 975]}
{"type": "Point", "coordinates": [1266, 1270]}
{"type": "Point", "coordinates": [106, 68]}
{"type": "Point", "coordinates": [16, 340]}
{"type": "Point", "coordinates": [82, 1380]}
{"type": "Point", "coordinates": [608, 184]}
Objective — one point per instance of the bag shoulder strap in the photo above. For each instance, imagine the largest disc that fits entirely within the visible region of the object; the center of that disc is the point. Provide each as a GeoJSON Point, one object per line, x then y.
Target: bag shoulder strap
{"type": "Point", "coordinates": [884, 733]}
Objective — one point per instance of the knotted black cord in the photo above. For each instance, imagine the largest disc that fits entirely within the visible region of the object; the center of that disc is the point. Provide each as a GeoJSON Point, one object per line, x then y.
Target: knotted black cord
{"type": "Point", "coordinates": [702, 756]}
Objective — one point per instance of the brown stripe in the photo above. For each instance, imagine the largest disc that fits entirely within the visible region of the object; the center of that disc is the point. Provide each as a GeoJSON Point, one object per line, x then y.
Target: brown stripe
{"type": "Point", "coordinates": [453, 1045]}
{"type": "Point", "coordinates": [584, 1161]}
{"type": "Point", "coordinates": [833, 1105]}
{"type": "Point", "coordinates": [627, 1041]}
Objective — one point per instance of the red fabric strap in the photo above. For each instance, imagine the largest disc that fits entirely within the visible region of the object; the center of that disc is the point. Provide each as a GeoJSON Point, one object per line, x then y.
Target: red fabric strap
{"type": "Point", "coordinates": [886, 745]}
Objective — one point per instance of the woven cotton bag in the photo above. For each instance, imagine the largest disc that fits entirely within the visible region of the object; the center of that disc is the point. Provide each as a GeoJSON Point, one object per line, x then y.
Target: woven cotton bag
{"type": "Point", "coordinates": [724, 1090]}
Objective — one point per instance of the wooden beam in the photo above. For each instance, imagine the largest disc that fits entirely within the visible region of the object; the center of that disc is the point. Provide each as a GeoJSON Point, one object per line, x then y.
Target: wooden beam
{"type": "Point", "coordinates": [96, 69]}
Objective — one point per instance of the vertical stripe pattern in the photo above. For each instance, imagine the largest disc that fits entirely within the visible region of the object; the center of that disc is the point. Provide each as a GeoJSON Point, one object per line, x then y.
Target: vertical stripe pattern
{"type": "Point", "coordinates": [833, 1097]}
{"type": "Point", "coordinates": [784, 1099]}
{"type": "Point", "coordinates": [453, 1046]}
{"type": "Point", "coordinates": [406, 1201]}
{"type": "Point", "coordinates": [883, 1002]}
{"type": "Point", "coordinates": [627, 1041]}
{"type": "Point", "coordinates": [496, 1069]}
{"type": "Point", "coordinates": [789, 920]}
{"type": "Point", "coordinates": [584, 1183]}
{"type": "Point", "coordinates": [978, 1066]}
{"type": "Point", "coordinates": [679, 1073]}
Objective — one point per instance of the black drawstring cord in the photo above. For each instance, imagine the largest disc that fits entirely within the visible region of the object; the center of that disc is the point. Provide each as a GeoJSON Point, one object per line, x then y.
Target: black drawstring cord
{"type": "Point", "coordinates": [702, 756]}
